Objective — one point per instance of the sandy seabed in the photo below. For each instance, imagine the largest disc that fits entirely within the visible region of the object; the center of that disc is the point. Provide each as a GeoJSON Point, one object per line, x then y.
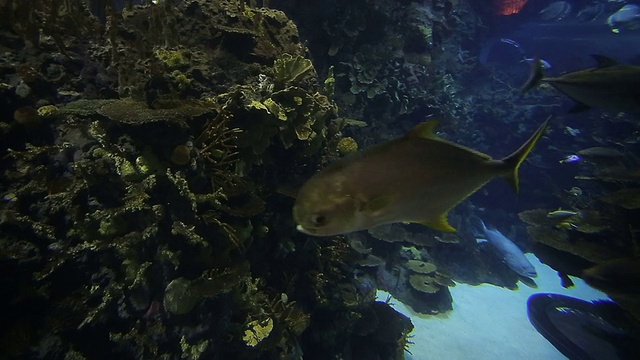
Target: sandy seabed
{"type": "Point", "coordinates": [489, 322]}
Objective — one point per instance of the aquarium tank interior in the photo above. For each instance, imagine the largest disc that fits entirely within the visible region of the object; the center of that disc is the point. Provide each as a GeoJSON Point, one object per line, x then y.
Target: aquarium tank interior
{"type": "Point", "coordinates": [319, 179]}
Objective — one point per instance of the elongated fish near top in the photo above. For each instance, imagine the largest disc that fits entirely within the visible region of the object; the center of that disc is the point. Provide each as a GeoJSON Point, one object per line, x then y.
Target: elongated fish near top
{"type": "Point", "coordinates": [511, 253]}
{"type": "Point", "coordinates": [417, 178]}
{"type": "Point", "coordinates": [610, 85]}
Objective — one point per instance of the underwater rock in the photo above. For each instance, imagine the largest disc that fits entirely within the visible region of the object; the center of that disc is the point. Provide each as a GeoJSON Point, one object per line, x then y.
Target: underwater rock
{"type": "Point", "coordinates": [27, 116]}
{"type": "Point", "coordinates": [178, 298]}
{"type": "Point", "coordinates": [181, 155]}
{"type": "Point", "coordinates": [133, 112]}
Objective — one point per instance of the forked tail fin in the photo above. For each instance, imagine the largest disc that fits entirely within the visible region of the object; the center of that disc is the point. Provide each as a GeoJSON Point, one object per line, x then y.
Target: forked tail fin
{"type": "Point", "coordinates": [537, 73]}
{"type": "Point", "coordinates": [513, 161]}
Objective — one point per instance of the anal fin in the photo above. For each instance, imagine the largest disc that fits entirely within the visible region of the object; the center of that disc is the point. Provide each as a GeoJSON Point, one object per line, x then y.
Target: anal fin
{"type": "Point", "coordinates": [439, 223]}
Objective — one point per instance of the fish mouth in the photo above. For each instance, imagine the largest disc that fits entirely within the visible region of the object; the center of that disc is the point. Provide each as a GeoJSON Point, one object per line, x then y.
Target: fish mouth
{"type": "Point", "coordinates": [305, 231]}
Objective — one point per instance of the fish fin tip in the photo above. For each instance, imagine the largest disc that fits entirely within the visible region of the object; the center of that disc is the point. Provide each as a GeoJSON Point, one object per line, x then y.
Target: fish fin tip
{"type": "Point", "coordinates": [441, 224]}
{"type": "Point", "coordinates": [516, 159]}
{"type": "Point", "coordinates": [535, 77]}
{"type": "Point", "coordinates": [604, 61]}
{"type": "Point", "coordinates": [425, 130]}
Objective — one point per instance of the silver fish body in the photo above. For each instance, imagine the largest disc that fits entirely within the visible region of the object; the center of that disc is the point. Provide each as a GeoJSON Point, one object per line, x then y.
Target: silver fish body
{"type": "Point", "coordinates": [511, 253]}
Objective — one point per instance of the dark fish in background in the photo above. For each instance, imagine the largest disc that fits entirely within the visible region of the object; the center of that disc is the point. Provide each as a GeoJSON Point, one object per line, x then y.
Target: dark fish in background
{"type": "Point", "coordinates": [561, 214]}
{"type": "Point", "coordinates": [556, 11]}
{"type": "Point", "coordinates": [610, 85]}
{"type": "Point", "coordinates": [545, 64]}
{"type": "Point", "coordinates": [417, 178]}
{"type": "Point", "coordinates": [619, 276]}
{"type": "Point", "coordinates": [585, 330]}
{"type": "Point", "coordinates": [601, 152]}
{"type": "Point", "coordinates": [590, 12]}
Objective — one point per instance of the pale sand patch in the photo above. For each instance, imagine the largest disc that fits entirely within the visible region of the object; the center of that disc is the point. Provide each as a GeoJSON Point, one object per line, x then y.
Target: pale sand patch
{"type": "Point", "coordinates": [489, 322]}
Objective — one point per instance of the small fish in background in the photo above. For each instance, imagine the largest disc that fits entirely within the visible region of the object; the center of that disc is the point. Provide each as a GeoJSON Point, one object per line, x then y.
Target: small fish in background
{"type": "Point", "coordinates": [610, 85]}
{"type": "Point", "coordinates": [556, 11]}
{"type": "Point", "coordinates": [544, 63]}
{"type": "Point", "coordinates": [417, 178]}
{"type": "Point", "coordinates": [571, 131]}
{"type": "Point", "coordinates": [510, 252]}
{"type": "Point", "coordinates": [590, 12]}
{"type": "Point", "coordinates": [575, 191]}
{"type": "Point", "coordinates": [566, 225]}
{"type": "Point", "coordinates": [627, 18]}
{"type": "Point", "coordinates": [561, 214]}
{"type": "Point", "coordinates": [566, 219]}
{"type": "Point", "coordinates": [601, 152]}
{"type": "Point", "coordinates": [570, 159]}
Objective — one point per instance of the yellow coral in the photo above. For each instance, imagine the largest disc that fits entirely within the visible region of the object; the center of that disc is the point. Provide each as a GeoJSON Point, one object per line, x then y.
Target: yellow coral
{"type": "Point", "coordinates": [347, 145]}
{"type": "Point", "coordinates": [181, 80]}
{"type": "Point", "coordinates": [257, 331]}
{"type": "Point", "coordinates": [172, 58]}
{"type": "Point", "coordinates": [275, 109]}
{"type": "Point", "coordinates": [47, 110]}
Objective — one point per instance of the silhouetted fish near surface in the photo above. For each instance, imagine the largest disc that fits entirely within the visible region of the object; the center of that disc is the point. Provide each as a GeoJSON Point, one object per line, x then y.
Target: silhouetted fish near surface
{"type": "Point", "coordinates": [609, 85]}
{"type": "Point", "coordinates": [417, 178]}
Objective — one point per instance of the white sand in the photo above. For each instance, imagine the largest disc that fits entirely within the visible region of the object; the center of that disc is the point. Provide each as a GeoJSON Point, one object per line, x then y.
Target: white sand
{"type": "Point", "coordinates": [489, 322]}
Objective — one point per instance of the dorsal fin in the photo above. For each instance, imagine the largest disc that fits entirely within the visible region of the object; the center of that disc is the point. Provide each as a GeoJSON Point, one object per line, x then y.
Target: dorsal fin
{"type": "Point", "coordinates": [604, 61]}
{"type": "Point", "coordinates": [425, 130]}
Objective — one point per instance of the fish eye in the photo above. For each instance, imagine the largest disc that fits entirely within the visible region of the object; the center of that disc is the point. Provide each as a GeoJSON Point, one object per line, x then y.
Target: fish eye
{"type": "Point", "coordinates": [318, 220]}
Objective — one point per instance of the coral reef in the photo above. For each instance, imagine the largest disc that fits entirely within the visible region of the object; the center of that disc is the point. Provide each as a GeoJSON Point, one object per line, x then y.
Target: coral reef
{"type": "Point", "coordinates": [142, 215]}
{"type": "Point", "coordinates": [150, 151]}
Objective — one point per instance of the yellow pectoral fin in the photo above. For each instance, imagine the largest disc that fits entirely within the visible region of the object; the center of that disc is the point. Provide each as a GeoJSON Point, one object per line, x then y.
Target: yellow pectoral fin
{"type": "Point", "coordinates": [439, 223]}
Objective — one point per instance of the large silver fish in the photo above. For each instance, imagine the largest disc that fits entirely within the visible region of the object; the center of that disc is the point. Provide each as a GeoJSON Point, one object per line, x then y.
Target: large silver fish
{"type": "Point", "coordinates": [417, 178]}
{"type": "Point", "coordinates": [511, 253]}
{"type": "Point", "coordinates": [609, 85]}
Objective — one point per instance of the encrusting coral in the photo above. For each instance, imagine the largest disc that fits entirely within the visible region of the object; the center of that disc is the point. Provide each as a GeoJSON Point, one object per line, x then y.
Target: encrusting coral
{"type": "Point", "coordinates": [140, 180]}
